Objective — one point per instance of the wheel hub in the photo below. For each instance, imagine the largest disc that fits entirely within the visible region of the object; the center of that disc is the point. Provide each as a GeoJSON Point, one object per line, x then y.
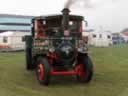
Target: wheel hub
{"type": "Point", "coordinates": [81, 71]}
{"type": "Point", "coordinates": [40, 72]}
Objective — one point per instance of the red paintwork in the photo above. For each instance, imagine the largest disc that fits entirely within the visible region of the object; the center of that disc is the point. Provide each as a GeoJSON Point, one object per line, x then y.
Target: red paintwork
{"type": "Point", "coordinates": [51, 55]}
{"type": "Point", "coordinates": [40, 71]}
{"type": "Point", "coordinates": [77, 70]}
{"type": "Point", "coordinates": [64, 72]}
{"type": "Point", "coordinates": [81, 72]}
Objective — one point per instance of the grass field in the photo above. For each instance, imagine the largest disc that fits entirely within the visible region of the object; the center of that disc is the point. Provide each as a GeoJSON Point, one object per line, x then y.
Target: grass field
{"type": "Point", "coordinates": [110, 78]}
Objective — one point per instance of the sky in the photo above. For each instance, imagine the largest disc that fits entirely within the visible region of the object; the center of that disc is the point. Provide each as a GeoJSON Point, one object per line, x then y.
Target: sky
{"type": "Point", "coordinates": [107, 14]}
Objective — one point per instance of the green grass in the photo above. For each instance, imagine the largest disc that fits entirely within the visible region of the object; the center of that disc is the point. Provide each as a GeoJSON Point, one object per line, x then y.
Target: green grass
{"type": "Point", "coordinates": [110, 77]}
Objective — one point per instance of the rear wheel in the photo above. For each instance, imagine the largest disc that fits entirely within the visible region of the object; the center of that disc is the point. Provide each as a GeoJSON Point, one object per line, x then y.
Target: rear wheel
{"type": "Point", "coordinates": [29, 65]}
{"type": "Point", "coordinates": [85, 70]}
{"type": "Point", "coordinates": [43, 71]}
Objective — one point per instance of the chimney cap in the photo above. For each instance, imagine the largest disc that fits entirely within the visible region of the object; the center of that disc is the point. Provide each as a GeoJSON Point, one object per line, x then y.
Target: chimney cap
{"type": "Point", "coordinates": [65, 10]}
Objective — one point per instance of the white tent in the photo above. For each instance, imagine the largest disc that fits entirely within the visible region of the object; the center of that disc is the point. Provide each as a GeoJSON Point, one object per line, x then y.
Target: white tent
{"type": "Point", "coordinates": [99, 38]}
{"type": "Point", "coordinates": [13, 40]}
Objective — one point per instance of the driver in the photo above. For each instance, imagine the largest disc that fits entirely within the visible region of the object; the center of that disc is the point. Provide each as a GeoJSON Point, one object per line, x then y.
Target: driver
{"type": "Point", "coordinates": [40, 29]}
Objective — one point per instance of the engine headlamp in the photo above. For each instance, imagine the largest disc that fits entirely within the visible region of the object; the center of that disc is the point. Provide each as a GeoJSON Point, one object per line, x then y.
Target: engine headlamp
{"type": "Point", "coordinates": [52, 49]}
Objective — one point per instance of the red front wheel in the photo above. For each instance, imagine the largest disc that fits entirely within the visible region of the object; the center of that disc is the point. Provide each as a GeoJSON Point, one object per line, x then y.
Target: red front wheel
{"type": "Point", "coordinates": [43, 71]}
{"type": "Point", "coordinates": [85, 70]}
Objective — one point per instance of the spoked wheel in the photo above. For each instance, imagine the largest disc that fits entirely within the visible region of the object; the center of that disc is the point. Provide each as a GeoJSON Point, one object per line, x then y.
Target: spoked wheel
{"type": "Point", "coordinates": [85, 70]}
{"type": "Point", "coordinates": [43, 71]}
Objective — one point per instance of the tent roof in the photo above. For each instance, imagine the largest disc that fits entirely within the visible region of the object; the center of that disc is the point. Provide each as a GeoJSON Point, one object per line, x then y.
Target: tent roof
{"type": "Point", "coordinates": [7, 33]}
{"type": "Point", "coordinates": [125, 33]}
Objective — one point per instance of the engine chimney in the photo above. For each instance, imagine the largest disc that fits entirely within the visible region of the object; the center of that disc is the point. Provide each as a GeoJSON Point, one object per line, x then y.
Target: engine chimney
{"type": "Point", "coordinates": [65, 19]}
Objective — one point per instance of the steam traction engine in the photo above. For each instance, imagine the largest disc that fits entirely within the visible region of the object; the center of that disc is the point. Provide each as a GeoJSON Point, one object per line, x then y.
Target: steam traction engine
{"type": "Point", "coordinates": [56, 47]}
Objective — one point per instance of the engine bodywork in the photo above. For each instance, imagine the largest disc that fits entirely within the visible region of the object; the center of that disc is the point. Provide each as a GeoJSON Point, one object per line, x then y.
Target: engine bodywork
{"type": "Point", "coordinates": [58, 38]}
